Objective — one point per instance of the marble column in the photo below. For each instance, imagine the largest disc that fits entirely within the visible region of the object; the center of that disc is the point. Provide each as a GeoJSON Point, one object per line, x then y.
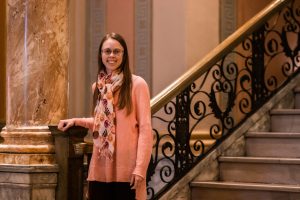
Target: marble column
{"type": "Point", "coordinates": [36, 95]}
{"type": "Point", "coordinates": [2, 63]}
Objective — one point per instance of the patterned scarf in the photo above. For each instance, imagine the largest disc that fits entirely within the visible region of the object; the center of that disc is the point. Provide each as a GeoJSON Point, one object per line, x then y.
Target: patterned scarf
{"type": "Point", "coordinates": [105, 117]}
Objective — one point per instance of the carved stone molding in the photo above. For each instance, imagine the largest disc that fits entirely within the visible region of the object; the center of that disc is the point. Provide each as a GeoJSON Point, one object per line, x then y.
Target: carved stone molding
{"type": "Point", "coordinates": [227, 18]}
{"type": "Point", "coordinates": [96, 30]}
{"type": "Point", "coordinates": [143, 39]}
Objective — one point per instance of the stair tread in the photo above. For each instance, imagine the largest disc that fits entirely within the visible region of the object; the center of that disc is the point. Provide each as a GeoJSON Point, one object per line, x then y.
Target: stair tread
{"type": "Point", "coordinates": [248, 186]}
{"type": "Point", "coordinates": [270, 160]}
{"type": "Point", "coordinates": [285, 111]}
{"type": "Point", "coordinates": [273, 135]}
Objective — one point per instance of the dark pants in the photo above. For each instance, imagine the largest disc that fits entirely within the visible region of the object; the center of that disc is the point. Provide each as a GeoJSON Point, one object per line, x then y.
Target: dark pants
{"type": "Point", "coordinates": [110, 191]}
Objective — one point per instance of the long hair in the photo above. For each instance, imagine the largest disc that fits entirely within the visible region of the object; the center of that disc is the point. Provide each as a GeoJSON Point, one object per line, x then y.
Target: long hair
{"type": "Point", "coordinates": [124, 100]}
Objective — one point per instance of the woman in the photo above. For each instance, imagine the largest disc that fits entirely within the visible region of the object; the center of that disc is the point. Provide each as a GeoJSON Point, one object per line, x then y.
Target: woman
{"type": "Point", "coordinates": [121, 126]}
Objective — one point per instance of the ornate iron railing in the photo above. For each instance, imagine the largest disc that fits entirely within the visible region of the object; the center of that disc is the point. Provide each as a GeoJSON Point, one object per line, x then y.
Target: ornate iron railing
{"type": "Point", "coordinates": [195, 114]}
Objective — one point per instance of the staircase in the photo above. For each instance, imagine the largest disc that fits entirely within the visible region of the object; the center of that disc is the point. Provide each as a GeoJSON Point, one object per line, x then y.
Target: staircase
{"type": "Point", "coordinates": [270, 170]}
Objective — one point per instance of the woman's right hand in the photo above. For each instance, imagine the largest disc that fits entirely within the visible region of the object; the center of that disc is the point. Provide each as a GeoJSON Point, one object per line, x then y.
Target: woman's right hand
{"type": "Point", "coordinates": [65, 124]}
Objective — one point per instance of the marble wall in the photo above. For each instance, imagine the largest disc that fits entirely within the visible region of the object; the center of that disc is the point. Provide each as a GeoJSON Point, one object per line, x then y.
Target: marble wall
{"type": "Point", "coordinates": [246, 10]}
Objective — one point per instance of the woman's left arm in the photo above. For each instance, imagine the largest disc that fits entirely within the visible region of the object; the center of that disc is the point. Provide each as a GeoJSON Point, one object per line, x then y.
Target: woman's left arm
{"type": "Point", "coordinates": [145, 140]}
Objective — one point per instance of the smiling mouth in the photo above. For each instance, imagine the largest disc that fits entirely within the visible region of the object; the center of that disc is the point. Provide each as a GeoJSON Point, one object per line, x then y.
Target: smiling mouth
{"type": "Point", "coordinates": [111, 61]}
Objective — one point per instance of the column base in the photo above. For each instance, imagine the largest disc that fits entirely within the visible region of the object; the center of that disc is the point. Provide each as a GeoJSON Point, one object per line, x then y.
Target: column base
{"type": "Point", "coordinates": [28, 168]}
{"type": "Point", "coordinates": [27, 146]}
{"type": "Point", "coordinates": [27, 159]}
{"type": "Point", "coordinates": [28, 182]}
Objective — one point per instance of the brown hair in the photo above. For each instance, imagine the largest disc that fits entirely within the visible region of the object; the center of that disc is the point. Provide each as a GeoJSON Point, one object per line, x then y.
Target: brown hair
{"type": "Point", "coordinates": [124, 100]}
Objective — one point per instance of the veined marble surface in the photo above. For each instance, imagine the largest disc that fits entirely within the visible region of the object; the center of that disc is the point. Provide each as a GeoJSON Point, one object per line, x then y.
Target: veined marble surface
{"type": "Point", "coordinates": [37, 61]}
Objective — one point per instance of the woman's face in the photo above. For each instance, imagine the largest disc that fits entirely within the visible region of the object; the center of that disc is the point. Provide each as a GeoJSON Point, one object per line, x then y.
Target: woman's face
{"type": "Point", "coordinates": [112, 54]}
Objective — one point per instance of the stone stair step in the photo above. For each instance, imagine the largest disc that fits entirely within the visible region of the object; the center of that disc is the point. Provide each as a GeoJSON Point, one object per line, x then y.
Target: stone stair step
{"type": "Point", "coordinates": [260, 170]}
{"type": "Point", "coordinates": [243, 191]}
{"type": "Point", "coordinates": [285, 120]}
{"type": "Point", "coordinates": [273, 144]}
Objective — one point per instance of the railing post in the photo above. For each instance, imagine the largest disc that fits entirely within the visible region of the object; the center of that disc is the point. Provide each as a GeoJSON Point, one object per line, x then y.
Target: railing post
{"type": "Point", "coordinates": [69, 150]}
{"type": "Point", "coordinates": [259, 91]}
{"type": "Point", "coordinates": [182, 146]}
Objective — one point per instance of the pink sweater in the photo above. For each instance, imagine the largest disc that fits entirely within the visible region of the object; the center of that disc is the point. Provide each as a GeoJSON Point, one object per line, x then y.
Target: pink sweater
{"type": "Point", "coordinates": [133, 142]}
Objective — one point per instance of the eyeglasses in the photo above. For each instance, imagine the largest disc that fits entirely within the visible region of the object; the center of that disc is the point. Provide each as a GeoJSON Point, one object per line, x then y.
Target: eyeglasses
{"type": "Point", "coordinates": [108, 51]}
